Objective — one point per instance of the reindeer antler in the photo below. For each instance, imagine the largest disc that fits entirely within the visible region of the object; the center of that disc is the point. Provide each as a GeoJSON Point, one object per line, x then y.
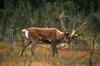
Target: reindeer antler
{"type": "Point", "coordinates": [81, 25]}
{"type": "Point", "coordinates": [62, 21]}
{"type": "Point", "coordinates": [61, 17]}
{"type": "Point", "coordinates": [73, 32]}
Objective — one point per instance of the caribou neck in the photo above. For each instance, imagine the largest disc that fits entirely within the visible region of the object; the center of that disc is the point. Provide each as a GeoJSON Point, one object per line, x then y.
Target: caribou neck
{"type": "Point", "coordinates": [60, 35]}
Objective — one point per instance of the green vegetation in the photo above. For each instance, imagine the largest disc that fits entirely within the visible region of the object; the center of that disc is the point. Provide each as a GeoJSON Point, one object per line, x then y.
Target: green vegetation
{"type": "Point", "coordinates": [16, 15]}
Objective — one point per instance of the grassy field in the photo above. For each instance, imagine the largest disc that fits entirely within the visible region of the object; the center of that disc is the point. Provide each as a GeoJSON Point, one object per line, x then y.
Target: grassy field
{"type": "Point", "coordinates": [66, 57]}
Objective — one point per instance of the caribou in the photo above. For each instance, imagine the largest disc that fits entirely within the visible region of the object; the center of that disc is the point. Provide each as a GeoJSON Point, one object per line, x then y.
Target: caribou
{"type": "Point", "coordinates": [51, 35]}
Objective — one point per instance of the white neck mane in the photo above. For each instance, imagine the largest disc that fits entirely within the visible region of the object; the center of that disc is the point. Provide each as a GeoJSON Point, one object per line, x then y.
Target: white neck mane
{"type": "Point", "coordinates": [60, 32]}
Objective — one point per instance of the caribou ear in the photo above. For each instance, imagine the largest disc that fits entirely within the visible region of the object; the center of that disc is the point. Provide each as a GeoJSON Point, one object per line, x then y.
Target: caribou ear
{"type": "Point", "coordinates": [76, 35]}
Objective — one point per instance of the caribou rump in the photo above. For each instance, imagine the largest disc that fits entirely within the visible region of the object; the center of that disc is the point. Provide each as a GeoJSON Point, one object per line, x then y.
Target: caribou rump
{"type": "Point", "coordinates": [50, 35]}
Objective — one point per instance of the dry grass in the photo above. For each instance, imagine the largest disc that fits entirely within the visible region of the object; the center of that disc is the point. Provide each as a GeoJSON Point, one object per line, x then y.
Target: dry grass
{"type": "Point", "coordinates": [67, 57]}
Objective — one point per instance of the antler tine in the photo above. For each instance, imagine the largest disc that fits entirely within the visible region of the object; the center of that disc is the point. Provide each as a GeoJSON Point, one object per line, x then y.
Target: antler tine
{"type": "Point", "coordinates": [73, 31]}
{"type": "Point", "coordinates": [61, 16]}
{"type": "Point", "coordinates": [81, 25]}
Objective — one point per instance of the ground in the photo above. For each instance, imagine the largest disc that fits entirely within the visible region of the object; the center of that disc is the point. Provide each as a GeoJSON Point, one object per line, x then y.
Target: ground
{"type": "Point", "coordinates": [43, 57]}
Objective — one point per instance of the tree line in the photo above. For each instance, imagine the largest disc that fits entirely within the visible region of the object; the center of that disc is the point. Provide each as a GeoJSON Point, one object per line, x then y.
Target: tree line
{"type": "Point", "coordinates": [18, 14]}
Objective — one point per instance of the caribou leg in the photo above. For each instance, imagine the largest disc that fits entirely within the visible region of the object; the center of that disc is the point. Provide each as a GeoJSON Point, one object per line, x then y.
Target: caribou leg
{"type": "Point", "coordinates": [25, 48]}
{"type": "Point", "coordinates": [33, 46]}
{"type": "Point", "coordinates": [54, 48]}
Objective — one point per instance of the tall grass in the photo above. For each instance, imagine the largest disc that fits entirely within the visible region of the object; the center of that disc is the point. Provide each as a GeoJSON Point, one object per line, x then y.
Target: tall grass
{"type": "Point", "coordinates": [67, 57]}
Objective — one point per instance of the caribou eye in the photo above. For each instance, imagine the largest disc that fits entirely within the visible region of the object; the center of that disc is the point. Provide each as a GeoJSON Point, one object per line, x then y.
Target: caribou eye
{"type": "Point", "coordinates": [67, 33]}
